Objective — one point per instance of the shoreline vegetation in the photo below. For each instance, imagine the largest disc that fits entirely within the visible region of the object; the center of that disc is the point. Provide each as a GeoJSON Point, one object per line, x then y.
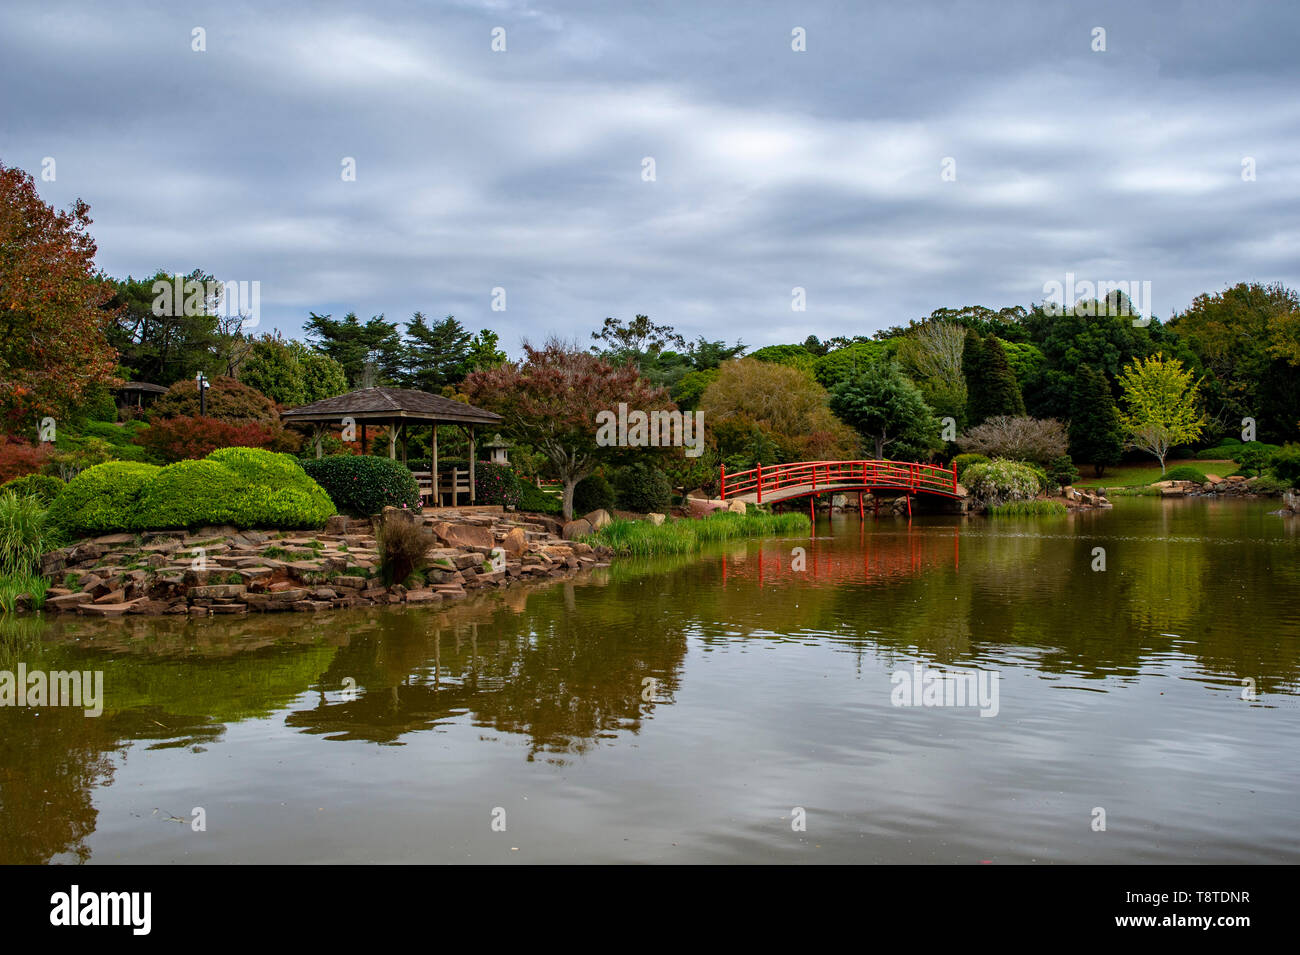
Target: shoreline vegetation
{"type": "Point", "coordinates": [627, 538]}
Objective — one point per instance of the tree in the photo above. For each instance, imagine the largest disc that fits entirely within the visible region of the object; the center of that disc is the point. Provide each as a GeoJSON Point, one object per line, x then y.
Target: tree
{"type": "Point", "coordinates": [273, 368]}
{"type": "Point", "coordinates": [166, 344]}
{"type": "Point", "coordinates": [1160, 399]}
{"type": "Point", "coordinates": [1096, 435]}
{"type": "Point", "coordinates": [53, 321]}
{"type": "Point", "coordinates": [370, 351]}
{"type": "Point", "coordinates": [932, 353]}
{"type": "Point", "coordinates": [436, 355]}
{"type": "Point", "coordinates": [991, 387]}
{"type": "Point", "coordinates": [322, 376]}
{"type": "Point", "coordinates": [887, 409]}
{"type": "Point", "coordinates": [636, 340]}
{"type": "Point", "coordinates": [484, 352]}
{"type": "Point", "coordinates": [550, 400]}
{"type": "Point", "coordinates": [776, 409]}
{"type": "Point", "coordinates": [1041, 440]}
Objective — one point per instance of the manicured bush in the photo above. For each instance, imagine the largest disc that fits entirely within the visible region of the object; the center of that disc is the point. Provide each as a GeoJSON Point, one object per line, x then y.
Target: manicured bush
{"type": "Point", "coordinates": [999, 481]}
{"type": "Point", "coordinates": [495, 484]}
{"type": "Point", "coordinates": [44, 487]}
{"type": "Point", "coordinates": [226, 400]}
{"type": "Point", "coordinates": [1185, 472]}
{"type": "Point", "coordinates": [25, 533]}
{"type": "Point", "coordinates": [1285, 464]}
{"type": "Point", "coordinates": [534, 499]}
{"type": "Point", "coordinates": [102, 498]}
{"type": "Point", "coordinates": [1062, 472]}
{"type": "Point", "coordinates": [364, 485]}
{"type": "Point", "coordinates": [593, 493]}
{"type": "Point", "coordinates": [962, 461]}
{"type": "Point", "coordinates": [642, 488]}
{"type": "Point", "coordinates": [1254, 457]}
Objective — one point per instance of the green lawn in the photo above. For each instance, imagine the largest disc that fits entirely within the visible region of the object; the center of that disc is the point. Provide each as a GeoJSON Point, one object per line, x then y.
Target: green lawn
{"type": "Point", "coordinates": [1140, 475]}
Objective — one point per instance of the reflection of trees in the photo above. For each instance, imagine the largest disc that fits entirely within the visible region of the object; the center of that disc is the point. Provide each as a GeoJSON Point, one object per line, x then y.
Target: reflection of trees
{"type": "Point", "coordinates": [559, 670]}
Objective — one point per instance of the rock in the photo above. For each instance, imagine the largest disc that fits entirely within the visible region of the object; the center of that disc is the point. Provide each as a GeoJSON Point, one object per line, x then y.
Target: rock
{"type": "Point", "coordinates": [702, 508]}
{"type": "Point", "coordinates": [575, 529]}
{"type": "Point", "coordinates": [229, 608]}
{"type": "Point", "coordinates": [391, 513]}
{"type": "Point", "coordinates": [218, 590]}
{"type": "Point", "coordinates": [697, 493]}
{"type": "Point", "coordinates": [112, 597]}
{"type": "Point", "coordinates": [515, 542]}
{"type": "Point", "coordinates": [737, 507]}
{"type": "Point", "coordinates": [597, 518]}
{"type": "Point", "coordinates": [464, 535]}
{"type": "Point", "coordinates": [338, 524]}
{"type": "Point", "coordinates": [655, 518]}
{"type": "Point", "coordinates": [68, 602]}
{"type": "Point", "coordinates": [111, 540]}
{"type": "Point", "coordinates": [106, 610]}
{"type": "Point", "coordinates": [421, 596]}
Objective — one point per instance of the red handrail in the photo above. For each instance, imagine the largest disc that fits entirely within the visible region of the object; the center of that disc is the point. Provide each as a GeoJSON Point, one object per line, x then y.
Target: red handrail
{"type": "Point", "coordinates": [893, 475]}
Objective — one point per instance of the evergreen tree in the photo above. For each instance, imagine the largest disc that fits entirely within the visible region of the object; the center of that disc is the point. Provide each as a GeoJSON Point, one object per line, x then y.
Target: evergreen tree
{"type": "Point", "coordinates": [883, 405]}
{"type": "Point", "coordinates": [991, 386]}
{"type": "Point", "coordinates": [437, 354]}
{"type": "Point", "coordinates": [1096, 435]}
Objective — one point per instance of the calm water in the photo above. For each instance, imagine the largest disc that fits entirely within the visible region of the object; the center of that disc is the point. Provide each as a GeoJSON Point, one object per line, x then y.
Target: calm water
{"type": "Point", "coordinates": [1118, 689]}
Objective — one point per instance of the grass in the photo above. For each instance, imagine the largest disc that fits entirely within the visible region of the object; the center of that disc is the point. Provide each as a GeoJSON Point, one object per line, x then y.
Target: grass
{"type": "Point", "coordinates": [643, 539]}
{"type": "Point", "coordinates": [1133, 491]}
{"type": "Point", "coordinates": [1028, 509]}
{"type": "Point", "coordinates": [1140, 475]}
{"type": "Point", "coordinates": [25, 533]}
{"type": "Point", "coordinates": [14, 585]}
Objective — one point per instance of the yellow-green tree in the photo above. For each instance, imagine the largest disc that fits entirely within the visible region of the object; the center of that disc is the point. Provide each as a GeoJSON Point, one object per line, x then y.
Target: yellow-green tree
{"type": "Point", "coordinates": [1161, 406]}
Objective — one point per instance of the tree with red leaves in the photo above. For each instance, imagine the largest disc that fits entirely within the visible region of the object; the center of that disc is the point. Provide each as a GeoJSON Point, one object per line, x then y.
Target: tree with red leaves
{"type": "Point", "coordinates": [551, 400]}
{"type": "Point", "coordinates": [53, 328]}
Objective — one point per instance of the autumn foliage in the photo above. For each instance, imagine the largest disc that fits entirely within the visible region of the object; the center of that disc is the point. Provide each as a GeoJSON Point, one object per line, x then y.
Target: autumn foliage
{"type": "Point", "coordinates": [53, 344]}
{"type": "Point", "coordinates": [19, 458]}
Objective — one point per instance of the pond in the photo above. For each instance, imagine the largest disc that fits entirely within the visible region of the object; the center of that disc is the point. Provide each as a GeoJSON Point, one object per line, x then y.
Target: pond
{"type": "Point", "coordinates": [743, 706]}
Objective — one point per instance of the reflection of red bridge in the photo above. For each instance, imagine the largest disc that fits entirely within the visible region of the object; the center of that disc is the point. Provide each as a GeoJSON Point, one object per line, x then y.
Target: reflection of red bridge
{"type": "Point", "coordinates": [880, 557]}
{"type": "Point", "coordinates": [781, 482]}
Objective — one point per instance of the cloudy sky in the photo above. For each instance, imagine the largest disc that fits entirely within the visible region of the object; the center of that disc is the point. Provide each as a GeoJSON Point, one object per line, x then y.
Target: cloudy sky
{"type": "Point", "coordinates": [525, 169]}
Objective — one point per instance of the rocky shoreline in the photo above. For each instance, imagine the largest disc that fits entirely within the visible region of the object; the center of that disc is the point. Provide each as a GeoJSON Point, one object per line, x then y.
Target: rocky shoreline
{"type": "Point", "coordinates": [224, 570]}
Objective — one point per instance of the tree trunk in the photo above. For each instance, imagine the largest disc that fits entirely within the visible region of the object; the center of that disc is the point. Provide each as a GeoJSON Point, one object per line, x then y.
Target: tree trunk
{"type": "Point", "coordinates": [880, 448]}
{"type": "Point", "coordinates": [569, 485]}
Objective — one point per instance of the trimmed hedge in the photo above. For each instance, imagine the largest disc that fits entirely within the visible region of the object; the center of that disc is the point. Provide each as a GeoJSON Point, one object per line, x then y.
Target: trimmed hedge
{"type": "Point", "coordinates": [1185, 472]}
{"type": "Point", "coordinates": [363, 485]}
{"type": "Point", "coordinates": [246, 487]}
{"type": "Point", "coordinates": [534, 499]}
{"type": "Point", "coordinates": [999, 481]}
{"type": "Point", "coordinates": [1285, 464]}
{"type": "Point", "coordinates": [45, 488]}
{"type": "Point", "coordinates": [102, 499]}
{"type": "Point", "coordinates": [962, 461]}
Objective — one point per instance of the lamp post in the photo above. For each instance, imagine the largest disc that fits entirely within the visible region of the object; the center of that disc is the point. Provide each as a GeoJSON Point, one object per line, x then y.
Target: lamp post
{"type": "Point", "coordinates": [201, 382]}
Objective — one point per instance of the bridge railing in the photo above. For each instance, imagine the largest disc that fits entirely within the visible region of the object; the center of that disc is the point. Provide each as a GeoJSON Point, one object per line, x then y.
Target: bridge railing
{"type": "Point", "coordinates": [815, 476]}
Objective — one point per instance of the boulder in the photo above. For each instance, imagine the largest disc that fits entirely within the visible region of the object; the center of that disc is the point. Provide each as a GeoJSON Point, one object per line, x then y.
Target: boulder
{"type": "Point", "coordinates": [575, 529]}
{"type": "Point", "coordinates": [737, 507]}
{"type": "Point", "coordinates": [515, 542]}
{"type": "Point", "coordinates": [702, 508]}
{"type": "Point", "coordinates": [655, 519]}
{"type": "Point", "coordinates": [598, 518]}
{"type": "Point", "coordinates": [338, 524]}
{"type": "Point", "coordinates": [464, 535]}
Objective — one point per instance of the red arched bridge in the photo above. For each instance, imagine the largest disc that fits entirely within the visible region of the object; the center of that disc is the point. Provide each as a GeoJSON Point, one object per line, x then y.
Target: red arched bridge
{"type": "Point", "coordinates": [782, 482]}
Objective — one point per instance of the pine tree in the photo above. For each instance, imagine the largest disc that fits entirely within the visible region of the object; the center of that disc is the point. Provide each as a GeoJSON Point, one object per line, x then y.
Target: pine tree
{"type": "Point", "coordinates": [990, 384]}
{"type": "Point", "coordinates": [1096, 435]}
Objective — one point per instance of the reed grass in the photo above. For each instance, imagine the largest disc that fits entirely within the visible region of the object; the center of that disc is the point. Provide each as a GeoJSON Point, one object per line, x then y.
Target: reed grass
{"type": "Point", "coordinates": [643, 539]}
{"type": "Point", "coordinates": [12, 586]}
{"type": "Point", "coordinates": [1028, 509]}
{"type": "Point", "coordinates": [25, 533]}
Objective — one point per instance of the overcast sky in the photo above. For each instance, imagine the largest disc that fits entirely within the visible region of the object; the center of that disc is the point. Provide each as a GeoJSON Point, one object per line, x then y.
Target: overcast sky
{"type": "Point", "coordinates": [774, 168]}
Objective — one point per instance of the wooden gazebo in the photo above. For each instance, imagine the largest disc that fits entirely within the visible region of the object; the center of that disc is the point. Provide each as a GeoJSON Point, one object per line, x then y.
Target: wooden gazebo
{"type": "Point", "coordinates": [398, 409]}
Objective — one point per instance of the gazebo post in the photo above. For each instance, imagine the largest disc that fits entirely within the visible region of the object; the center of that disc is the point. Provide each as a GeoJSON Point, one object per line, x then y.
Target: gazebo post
{"type": "Point", "coordinates": [473, 453]}
{"type": "Point", "coordinates": [392, 440]}
{"type": "Point", "coordinates": [434, 467]}
{"type": "Point", "coordinates": [318, 433]}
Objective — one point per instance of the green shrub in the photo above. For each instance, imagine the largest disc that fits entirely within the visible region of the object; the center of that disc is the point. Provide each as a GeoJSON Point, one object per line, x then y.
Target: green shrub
{"type": "Point", "coordinates": [44, 487]}
{"type": "Point", "coordinates": [593, 493]}
{"type": "Point", "coordinates": [1218, 454]}
{"type": "Point", "coordinates": [962, 461]}
{"type": "Point", "coordinates": [364, 485]}
{"type": "Point", "coordinates": [1285, 464]}
{"type": "Point", "coordinates": [1062, 471]}
{"type": "Point", "coordinates": [25, 533]}
{"type": "Point", "coordinates": [1269, 484]}
{"type": "Point", "coordinates": [102, 498]}
{"type": "Point", "coordinates": [532, 498]}
{"type": "Point", "coordinates": [1185, 472]}
{"type": "Point", "coordinates": [495, 484]}
{"type": "Point", "coordinates": [1255, 456]}
{"type": "Point", "coordinates": [642, 488]}
{"type": "Point", "coordinates": [999, 481]}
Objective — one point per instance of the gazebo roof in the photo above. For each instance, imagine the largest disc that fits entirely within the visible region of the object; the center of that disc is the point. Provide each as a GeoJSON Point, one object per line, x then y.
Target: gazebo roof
{"type": "Point", "coordinates": [143, 386]}
{"type": "Point", "coordinates": [388, 404]}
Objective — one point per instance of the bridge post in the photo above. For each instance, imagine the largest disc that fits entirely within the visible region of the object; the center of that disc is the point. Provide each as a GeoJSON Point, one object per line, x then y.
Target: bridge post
{"type": "Point", "coordinates": [760, 482]}
{"type": "Point", "coordinates": [722, 488]}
